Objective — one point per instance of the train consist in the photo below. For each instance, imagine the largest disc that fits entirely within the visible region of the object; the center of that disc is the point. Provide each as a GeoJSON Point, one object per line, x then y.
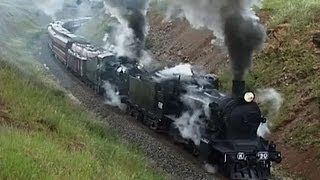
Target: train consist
{"type": "Point", "coordinates": [223, 127]}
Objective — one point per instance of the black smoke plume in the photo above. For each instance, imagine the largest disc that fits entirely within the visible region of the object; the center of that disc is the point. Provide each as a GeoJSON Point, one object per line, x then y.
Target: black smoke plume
{"type": "Point", "coordinates": [133, 11]}
{"type": "Point", "coordinates": [242, 36]}
{"type": "Point", "coordinates": [137, 22]}
{"type": "Point", "coordinates": [233, 23]}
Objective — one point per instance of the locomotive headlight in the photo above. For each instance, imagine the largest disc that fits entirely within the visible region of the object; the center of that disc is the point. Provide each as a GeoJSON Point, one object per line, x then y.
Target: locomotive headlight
{"type": "Point", "coordinates": [249, 97]}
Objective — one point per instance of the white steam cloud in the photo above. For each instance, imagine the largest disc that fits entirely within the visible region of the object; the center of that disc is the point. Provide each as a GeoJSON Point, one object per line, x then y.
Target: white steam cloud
{"type": "Point", "coordinates": [233, 23]}
{"type": "Point", "coordinates": [210, 14]}
{"type": "Point", "coordinates": [184, 70]}
{"type": "Point", "coordinates": [49, 7]}
{"type": "Point", "coordinates": [112, 97]}
{"type": "Point", "coordinates": [189, 125]}
{"type": "Point", "coordinates": [270, 102]}
{"type": "Point", "coordinates": [129, 33]}
{"type": "Point", "coordinates": [211, 169]}
{"type": "Point", "coordinates": [192, 121]}
{"type": "Point", "coordinates": [84, 9]}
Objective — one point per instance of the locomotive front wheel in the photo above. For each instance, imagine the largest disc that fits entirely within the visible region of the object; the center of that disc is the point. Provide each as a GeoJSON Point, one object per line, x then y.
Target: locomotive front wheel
{"type": "Point", "coordinates": [154, 126]}
{"type": "Point", "coordinates": [195, 152]}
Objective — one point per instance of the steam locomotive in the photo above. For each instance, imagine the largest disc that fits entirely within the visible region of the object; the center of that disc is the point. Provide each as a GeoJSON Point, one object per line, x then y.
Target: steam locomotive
{"type": "Point", "coordinates": [225, 132]}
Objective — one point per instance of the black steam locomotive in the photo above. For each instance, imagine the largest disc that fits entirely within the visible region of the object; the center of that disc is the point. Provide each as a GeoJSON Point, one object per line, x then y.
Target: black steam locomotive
{"type": "Point", "coordinates": [223, 127]}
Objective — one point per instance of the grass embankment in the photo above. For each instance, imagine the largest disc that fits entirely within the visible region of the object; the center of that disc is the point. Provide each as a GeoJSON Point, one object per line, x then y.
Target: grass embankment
{"type": "Point", "coordinates": [46, 136]}
{"type": "Point", "coordinates": [43, 134]}
{"type": "Point", "coordinates": [18, 23]}
{"type": "Point", "coordinates": [290, 63]}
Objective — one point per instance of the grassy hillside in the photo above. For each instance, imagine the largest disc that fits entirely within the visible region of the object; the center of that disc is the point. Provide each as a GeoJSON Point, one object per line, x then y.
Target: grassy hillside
{"type": "Point", "coordinates": [299, 13]}
{"type": "Point", "coordinates": [43, 134]}
{"type": "Point", "coordinates": [18, 23]}
{"type": "Point", "coordinates": [290, 63]}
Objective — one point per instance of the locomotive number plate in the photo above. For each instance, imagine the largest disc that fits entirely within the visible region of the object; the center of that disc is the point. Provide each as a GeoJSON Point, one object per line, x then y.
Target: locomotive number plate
{"type": "Point", "coordinates": [241, 156]}
{"type": "Point", "coordinates": [263, 155]}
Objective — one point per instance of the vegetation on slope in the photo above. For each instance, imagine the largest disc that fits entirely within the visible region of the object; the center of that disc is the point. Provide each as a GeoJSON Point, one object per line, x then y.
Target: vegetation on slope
{"type": "Point", "coordinates": [290, 63]}
{"type": "Point", "coordinates": [299, 13]}
{"type": "Point", "coordinates": [18, 23]}
{"type": "Point", "coordinates": [43, 135]}
{"type": "Point", "coordinates": [46, 136]}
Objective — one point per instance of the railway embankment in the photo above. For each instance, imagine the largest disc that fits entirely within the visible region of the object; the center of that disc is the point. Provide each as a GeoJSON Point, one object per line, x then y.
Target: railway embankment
{"type": "Point", "coordinates": [44, 133]}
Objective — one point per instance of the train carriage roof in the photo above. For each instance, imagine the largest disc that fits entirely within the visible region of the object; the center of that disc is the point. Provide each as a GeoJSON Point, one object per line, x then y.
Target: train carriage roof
{"type": "Point", "coordinates": [79, 39]}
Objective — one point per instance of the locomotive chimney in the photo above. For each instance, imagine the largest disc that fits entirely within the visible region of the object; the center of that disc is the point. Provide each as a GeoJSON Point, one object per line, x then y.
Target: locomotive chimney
{"type": "Point", "coordinates": [238, 88]}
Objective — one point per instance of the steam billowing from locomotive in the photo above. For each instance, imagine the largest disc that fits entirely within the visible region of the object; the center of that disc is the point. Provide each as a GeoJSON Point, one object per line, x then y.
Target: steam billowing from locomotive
{"type": "Point", "coordinates": [235, 25]}
{"type": "Point", "coordinates": [81, 8]}
{"type": "Point", "coordinates": [232, 22]}
{"type": "Point", "coordinates": [270, 102]}
{"type": "Point", "coordinates": [130, 33]}
{"type": "Point", "coordinates": [49, 7]}
{"type": "Point", "coordinates": [210, 14]}
{"type": "Point", "coordinates": [112, 98]}
{"type": "Point", "coordinates": [242, 36]}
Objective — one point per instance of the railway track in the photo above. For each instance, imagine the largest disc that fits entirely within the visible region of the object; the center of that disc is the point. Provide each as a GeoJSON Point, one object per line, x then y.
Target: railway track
{"type": "Point", "coordinates": [159, 150]}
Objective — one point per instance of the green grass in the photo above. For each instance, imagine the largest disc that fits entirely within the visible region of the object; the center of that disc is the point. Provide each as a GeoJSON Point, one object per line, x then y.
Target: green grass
{"type": "Point", "coordinates": [18, 24]}
{"type": "Point", "coordinates": [285, 70]}
{"type": "Point", "coordinates": [289, 67]}
{"type": "Point", "coordinates": [306, 135]}
{"type": "Point", "coordinates": [48, 137]}
{"type": "Point", "coordinates": [298, 13]}
{"type": "Point", "coordinates": [34, 155]}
